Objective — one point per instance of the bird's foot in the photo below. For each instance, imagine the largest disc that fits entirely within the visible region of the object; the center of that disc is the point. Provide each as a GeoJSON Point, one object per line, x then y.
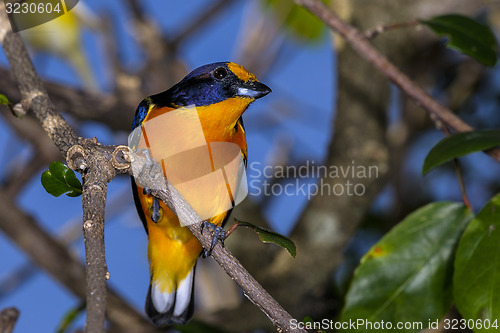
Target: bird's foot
{"type": "Point", "coordinates": [218, 234]}
{"type": "Point", "coordinates": [155, 209]}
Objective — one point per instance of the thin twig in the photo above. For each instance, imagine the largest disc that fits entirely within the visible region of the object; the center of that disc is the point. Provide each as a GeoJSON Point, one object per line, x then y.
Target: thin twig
{"type": "Point", "coordinates": [8, 319]}
{"type": "Point", "coordinates": [458, 169]}
{"type": "Point", "coordinates": [379, 29]}
{"type": "Point", "coordinates": [366, 50]}
{"type": "Point", "coordinates": [93, 161]}
{"type": "Point", "coordinates": [231, 229]}
{"type": "Point", "coordinates": [199, 22]}
{"type": "Point", "coordinates": [33, 94]}
{"type": "Point", "coordinates": [461, 184]}
{"type": "Point", "coordinates": [83, 105]}
{"type": "Point", "coordinates": [280, 318]}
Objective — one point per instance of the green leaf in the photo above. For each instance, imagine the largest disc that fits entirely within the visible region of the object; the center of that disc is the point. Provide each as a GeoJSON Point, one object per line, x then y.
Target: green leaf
{"type": "Point", "coordinates": [477, 267]}
{"type": "Point", "coordinates": [4, 100]}
{"type": "Point", "coordinates": [406, 276]}
{"type": "Point", "coordinates": [460, 144]}
{"type": "Point", "coordinates": [268, 236]}
{"type": "Point", "coordinates": [70, 317]}
{"type": "Point", "coordinates": [60, 179]}
{"type": "Point", "coordinates": [466, 36]}
{"type": "Point", "coordinates": [296, 19]}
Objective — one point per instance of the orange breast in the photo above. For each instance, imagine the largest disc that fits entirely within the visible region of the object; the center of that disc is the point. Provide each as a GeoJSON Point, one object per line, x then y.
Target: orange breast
{"type": "Point", "coordinates": [178, 139]}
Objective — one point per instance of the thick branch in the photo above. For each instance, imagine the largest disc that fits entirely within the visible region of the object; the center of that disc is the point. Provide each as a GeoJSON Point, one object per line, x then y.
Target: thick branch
{"type": "Point", "coordinates": [33, 94]}
{"type": "Point", "coordinates": [366, 50]}
{"type": "Point", "coordinates": [53, 257]}
{"type": "Point", "coordinates": [8, 319]}
{"type": "Point", "coordinates": [93, 161]}
{"type": "Point", "coordinates": [94, 202]}
{"type": "Point", "coordinates": [83, 105]}
{"type": "Point", "coordinates": [35, 98]}
{"type": "Point", "coordinates": [28, 129]}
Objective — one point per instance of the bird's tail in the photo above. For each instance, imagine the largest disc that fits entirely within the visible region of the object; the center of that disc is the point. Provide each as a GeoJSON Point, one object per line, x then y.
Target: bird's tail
{"type": "Point", "coordinates": [174, 307]}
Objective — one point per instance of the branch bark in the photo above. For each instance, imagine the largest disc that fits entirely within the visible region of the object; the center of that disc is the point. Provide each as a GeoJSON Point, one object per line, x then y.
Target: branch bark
{"type": "Point", "coordinates": [94, 202]}
{"type": "Point", "coordinates": [155, 180]}
{"type": "Point", "coordinates": [33, 94]}
{"type": "Point", "coordinates": [97, 164]}
{"type": "Point", "coordinates": [34, 97]}
{"type": "Point", "coordinates": [52, 256]}
{"type": "Point", "coordinates": [367, 51]}
{"type": "Point", "coordinates": [83, 105]}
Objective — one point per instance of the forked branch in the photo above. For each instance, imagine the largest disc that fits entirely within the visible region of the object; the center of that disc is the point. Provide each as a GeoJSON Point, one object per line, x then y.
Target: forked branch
{"type": "Point", "coordinates": [98, 165]}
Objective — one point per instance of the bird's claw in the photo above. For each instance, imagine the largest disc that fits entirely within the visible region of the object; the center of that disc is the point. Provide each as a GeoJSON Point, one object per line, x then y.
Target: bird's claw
{"type": "Point", "coordinates": [219, 234]}
{"type": "Point", "coordinates": [155, 209]}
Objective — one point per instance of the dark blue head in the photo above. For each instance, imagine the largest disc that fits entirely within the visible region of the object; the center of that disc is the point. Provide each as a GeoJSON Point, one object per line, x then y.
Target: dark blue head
{"type": "Point", "coordinates": [210, 84]}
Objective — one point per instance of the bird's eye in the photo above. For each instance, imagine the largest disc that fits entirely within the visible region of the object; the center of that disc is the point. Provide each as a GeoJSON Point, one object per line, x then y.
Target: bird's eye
{"type": "Point", "coordinates": [220, 73]}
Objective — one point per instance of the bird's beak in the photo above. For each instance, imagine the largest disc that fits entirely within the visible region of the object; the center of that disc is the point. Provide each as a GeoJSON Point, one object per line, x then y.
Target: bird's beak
{"type": "Point", "coordinates": [253, 89]}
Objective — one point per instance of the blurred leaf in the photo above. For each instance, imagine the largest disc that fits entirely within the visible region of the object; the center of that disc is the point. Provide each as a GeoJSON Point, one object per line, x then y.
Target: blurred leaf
{"type": "Point", "coordinates": [477, 268]}
{"type": "Point", "coordinates": [467, 36]}
{"type": "Point", "coordinates": [60, 179]}
{"type": "Point", "coordinates": [460, 144]}
{"type": "Point", "coordinates": [70, 317]}
{"type": "Point", "coordinates": [30, 18]}
{"type": "Point", "coordinates": [268, 236]}
{"type": "Point", "coordinates": [4, 100]}
{"type": "Point", "coordinates": [407, 275]}
{"type": "Point", "coordinates": [196, 326]}
{"type": "Point", "coordinates": [296, 19]}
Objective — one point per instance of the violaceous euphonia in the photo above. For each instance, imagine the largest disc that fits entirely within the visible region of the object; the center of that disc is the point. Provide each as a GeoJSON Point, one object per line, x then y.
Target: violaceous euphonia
{"type": "Point", "coordinates": [217, 94]}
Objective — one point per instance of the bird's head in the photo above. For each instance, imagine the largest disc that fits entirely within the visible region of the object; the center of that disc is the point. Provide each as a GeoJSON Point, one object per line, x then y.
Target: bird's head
{"type": "Point", "coordinates": [215, 83]}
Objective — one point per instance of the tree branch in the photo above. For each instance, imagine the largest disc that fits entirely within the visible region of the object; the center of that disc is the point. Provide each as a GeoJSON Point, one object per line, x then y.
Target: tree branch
{"type": "Point", "coordinates": [280, 318]}
{"type": "Point", "coordinates": [51, 255]}
{"type": "Point", "coordinates": [33, 94]}
{"type": "Point", "coordinates": [367, 51]}
{"type": "Point", "coordinates": [8, 319]}
{"type": "Point", "coordinates": [199, 22]}
{"type": "Point", "coordinates": [99, 164]}
{"type": "Point", "coordinates": [35, 98]}
{"type": "Point", "coordinates": [83, 105]}
{"type": "Point", "coordinates": [94, 202]}
{"type": "Point", "coordinates": [69, 233]}
{"type": "Point", "coordinates": [251, 288]}
{"type": "Point", "coordinates": [372, 33]}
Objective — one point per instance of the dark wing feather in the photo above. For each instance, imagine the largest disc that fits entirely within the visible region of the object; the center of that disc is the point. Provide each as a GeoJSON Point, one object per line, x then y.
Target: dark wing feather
{"type": "Point", "coordinates": [138, 204]}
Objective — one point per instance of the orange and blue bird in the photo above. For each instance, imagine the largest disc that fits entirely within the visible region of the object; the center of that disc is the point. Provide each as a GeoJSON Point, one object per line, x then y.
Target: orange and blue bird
{"type": "Point", "coordinates": [217, 94]}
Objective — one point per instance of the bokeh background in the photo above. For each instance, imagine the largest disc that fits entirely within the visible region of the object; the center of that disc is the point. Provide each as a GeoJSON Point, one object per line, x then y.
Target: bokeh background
{"type": "Point", "coordinates": [328, 107]}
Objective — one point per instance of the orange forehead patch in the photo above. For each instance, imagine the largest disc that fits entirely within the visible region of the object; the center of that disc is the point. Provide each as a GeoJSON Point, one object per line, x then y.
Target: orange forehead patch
{"type": "Point", "coordinates": [241, 72]}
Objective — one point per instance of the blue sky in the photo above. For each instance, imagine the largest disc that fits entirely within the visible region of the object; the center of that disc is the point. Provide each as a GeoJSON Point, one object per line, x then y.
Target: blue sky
{"type": "Point", "coordinates": [301, 79]}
